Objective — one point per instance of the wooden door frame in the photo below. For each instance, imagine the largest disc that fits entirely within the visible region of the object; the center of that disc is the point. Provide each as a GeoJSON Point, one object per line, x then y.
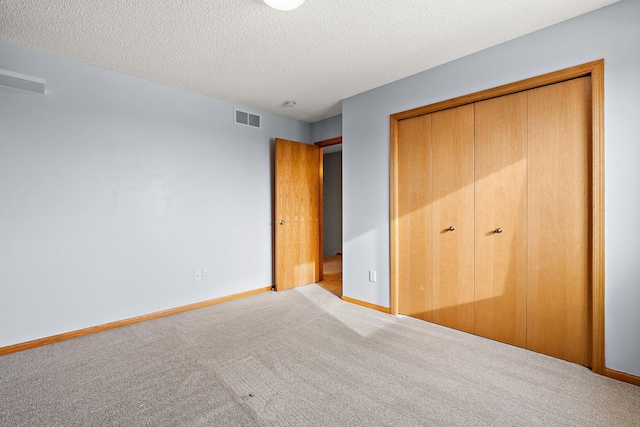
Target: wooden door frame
{"type": "Point", "coordinates": [594, 69]}
{"type": "Point", "coordinates": [322, 144]}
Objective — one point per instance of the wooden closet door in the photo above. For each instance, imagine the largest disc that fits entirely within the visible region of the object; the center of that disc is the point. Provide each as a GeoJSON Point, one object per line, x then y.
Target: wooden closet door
{"type": "Point", "coordinates": [414, 223]}
{"type": "Point", "coordinates": [501, 218]}
{"type": "Point", "coordinates": [558, 292]}
{"type": "Point", "coordinates": [453, 205]}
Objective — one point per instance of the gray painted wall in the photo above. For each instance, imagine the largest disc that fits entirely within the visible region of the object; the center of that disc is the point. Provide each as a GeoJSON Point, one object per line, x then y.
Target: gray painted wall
{"type": "Point", "coordinates": [326, 129]}
{"type": "Point", "coordinates": [611, 33]}
{"type": "Point", "coordinates": [321, 131]}
{"type": "Point", "coordinates": [114, 189]}
{"type": "Point", "coordinates": [332, 223]}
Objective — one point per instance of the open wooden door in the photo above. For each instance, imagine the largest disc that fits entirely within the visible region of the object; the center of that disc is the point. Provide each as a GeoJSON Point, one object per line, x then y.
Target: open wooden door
{"type": "Point", "coordinates": [297, 193]}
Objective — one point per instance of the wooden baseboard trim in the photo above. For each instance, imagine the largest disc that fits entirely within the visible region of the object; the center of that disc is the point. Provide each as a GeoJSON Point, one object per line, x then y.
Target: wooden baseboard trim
{"type": "Point", "coordinates": [125, 322]}
{"type": "Point", "coordinates": [366, 304]}
{"type": "Point", "coordinates": [622, 376]}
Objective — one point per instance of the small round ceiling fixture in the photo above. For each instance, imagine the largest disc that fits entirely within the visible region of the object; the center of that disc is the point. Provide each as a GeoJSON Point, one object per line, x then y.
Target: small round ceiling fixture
{"type": "Point", "coordinates": [289, 103]}
{"type": "Point", "coordinates": [284, 4]}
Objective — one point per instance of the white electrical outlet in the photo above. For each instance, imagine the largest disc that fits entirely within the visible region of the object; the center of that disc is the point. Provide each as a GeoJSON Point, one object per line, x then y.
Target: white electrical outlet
{"type": "Point", "coordinates": [197, 275]}
{"type": "Point", "coordinates": [205, 274]}
{"type": "Point", "coordinates": [372, 275]}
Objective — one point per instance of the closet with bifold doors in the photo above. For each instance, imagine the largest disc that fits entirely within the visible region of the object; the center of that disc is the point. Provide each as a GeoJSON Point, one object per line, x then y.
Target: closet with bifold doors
{"type": "Point", "coordinates": [492, 231]}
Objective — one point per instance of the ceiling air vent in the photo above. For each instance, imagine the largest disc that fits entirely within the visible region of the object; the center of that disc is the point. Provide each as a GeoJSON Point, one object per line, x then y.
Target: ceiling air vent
{"type": "Point", "coordinates": [247, 119]}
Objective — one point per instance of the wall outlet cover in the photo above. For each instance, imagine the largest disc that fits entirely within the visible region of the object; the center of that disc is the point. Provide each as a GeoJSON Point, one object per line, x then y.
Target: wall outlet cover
{"type": "Point", "coordinates": [205, 274]}
{"type": "Point", "coordinates": [197, 275]}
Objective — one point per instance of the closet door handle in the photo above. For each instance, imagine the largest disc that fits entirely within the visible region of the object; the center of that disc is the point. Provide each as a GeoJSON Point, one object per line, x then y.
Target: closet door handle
{"type": "Point", "coordinates": [498, 230]}
{"type": "Point", "coordinates": [451, 228]}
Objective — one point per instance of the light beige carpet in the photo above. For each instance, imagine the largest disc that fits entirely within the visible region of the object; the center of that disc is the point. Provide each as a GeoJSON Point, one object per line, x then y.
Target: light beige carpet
{"type": "Point", "coordinates": [301, 358]}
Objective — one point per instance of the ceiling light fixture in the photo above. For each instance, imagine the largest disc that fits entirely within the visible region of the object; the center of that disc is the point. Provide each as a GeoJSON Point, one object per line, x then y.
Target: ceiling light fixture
{"type": "Point", "coordinates": [289, 103]}
{"type": "Point", "coordinates": [284, 4]}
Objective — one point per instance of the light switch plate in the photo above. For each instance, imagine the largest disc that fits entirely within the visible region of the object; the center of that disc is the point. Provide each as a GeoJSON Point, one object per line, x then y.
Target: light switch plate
{"type": "Point", "coordinates": [372, 275]}
{"type": "Point", "coordinates": [197, 275]}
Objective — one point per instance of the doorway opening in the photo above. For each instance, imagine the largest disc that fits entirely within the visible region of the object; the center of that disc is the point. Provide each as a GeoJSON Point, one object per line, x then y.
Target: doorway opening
{"type": "Point", "coordinates": [331, 215]}
{"type": "Point", "coordinates": [299, 229]}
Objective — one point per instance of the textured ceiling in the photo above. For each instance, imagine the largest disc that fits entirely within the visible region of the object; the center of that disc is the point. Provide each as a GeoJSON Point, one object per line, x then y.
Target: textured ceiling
{"type": "Point", "coordinates": [245, 52]}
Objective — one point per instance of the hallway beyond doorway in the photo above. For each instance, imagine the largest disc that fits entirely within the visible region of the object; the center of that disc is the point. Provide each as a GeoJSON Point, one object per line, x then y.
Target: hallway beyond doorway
{"type": "Point", "coordinates": [332, 281]}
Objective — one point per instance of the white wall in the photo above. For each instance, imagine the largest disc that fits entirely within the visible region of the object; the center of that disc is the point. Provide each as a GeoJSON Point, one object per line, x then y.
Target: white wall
{"type": "Point", "coordinates": [114, 189]}
{"type": "Point", "coordinates": [612, 33]}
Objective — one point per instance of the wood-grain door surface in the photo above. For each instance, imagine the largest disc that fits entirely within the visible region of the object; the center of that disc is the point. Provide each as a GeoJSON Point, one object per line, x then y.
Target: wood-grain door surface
{"type": "Point", "coordinates": [452, 133]}
{"type": "Point", "coordinates": [558, 290]}
{"type": "Point", "coordinates": [525, 159]}
{"type": "Point", "coordinates": [297, 194]}
{"type": "Point", "coordinates": [511, 177]}
{"type": "Point", "coordinates": [414, 222]}
{"type": "Point", "coordinates": [501, 218]}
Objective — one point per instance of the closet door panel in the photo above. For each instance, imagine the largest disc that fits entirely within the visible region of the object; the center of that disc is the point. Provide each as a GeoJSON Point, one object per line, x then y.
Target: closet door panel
{"type": "Point", "coordinates": [501, 226]}
{"type": "Point", "coordinates": [453, 205]}
{"type": "Point", "coordinates": [414, 224]}
{"type": "Point", "coordinates": [558, 293]}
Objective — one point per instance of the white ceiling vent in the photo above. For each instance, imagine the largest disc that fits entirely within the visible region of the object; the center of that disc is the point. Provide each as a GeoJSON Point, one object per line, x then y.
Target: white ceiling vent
{"type": "Point", "coordinates": [247, 119]}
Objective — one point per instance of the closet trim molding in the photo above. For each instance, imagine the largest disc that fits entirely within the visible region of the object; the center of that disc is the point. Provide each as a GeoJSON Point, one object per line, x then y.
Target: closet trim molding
{"type": "Point", "coordinates": [595, 69]}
